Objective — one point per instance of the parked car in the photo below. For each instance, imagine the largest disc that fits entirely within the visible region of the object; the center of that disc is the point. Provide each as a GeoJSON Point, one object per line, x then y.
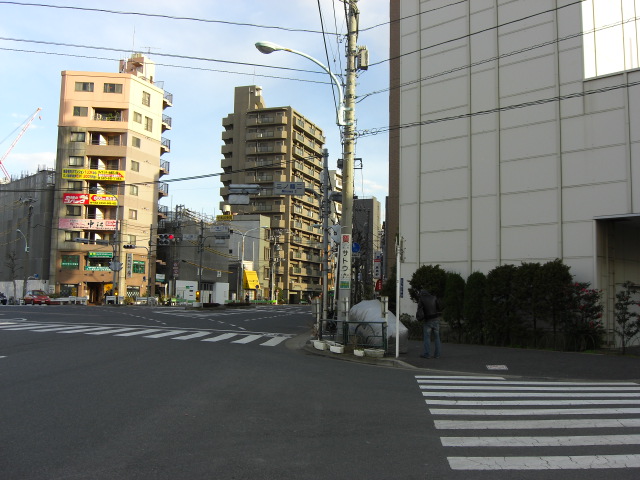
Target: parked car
{"type": "Point", "coordinates": [36, 296]}
{"type": "Point", "coordinates": [3, 299]}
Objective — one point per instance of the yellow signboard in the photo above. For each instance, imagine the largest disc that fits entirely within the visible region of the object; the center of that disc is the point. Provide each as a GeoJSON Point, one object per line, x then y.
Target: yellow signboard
{"type": "Point", "coordinates": [251, 280]}
{"type": "Point", "coordinates": [90, 174]}
{"type": "Point", "coordinates": [224, 218]}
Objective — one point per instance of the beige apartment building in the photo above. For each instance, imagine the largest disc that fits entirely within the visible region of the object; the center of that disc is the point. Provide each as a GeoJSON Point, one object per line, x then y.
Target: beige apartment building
{"type": "Point", "coordinates": [263, 145]}
{"type": "Point", "coordinates": [109, 160]}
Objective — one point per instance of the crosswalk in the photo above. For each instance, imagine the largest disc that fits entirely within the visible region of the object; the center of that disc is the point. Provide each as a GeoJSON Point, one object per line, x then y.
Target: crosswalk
{"type": "Point", "coordinates": [239, 337]}
{"type": "Point", "coordinates": [492, 424]}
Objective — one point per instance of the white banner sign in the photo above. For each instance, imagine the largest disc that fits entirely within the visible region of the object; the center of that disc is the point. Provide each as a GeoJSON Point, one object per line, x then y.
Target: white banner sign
{"type": "Point", "coordinates": [345, 262]}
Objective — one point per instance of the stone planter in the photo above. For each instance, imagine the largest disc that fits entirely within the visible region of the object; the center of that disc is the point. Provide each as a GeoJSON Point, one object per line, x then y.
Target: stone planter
{"type": "Point", "coordinates": [374, 352]}
{"type": "Point", "coordinates": [358, 352]}
{"type": "Point", "coordinates": [336, 348]}
{"type": "Point", "coordinates": [319, 345]}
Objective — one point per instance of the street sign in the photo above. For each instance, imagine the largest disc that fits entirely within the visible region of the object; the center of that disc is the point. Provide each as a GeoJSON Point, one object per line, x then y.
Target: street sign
{"type": "Point", "coordinates": [288, 188]}
{"type": "Point", "coordinates": [345, 262]}
{"type": "Point", "coordinates": [355, 247]}
{"type": "Point", "coordinates": [224, 218]}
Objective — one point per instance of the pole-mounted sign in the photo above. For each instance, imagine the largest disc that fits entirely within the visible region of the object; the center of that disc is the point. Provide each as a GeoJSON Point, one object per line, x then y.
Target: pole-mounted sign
{"type": "Point", "coordinates": [345, 262]}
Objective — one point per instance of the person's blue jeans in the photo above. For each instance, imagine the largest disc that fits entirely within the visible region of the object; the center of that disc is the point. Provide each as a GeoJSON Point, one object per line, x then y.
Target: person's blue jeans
{"type": "Point", "coordinates": [427, 327]}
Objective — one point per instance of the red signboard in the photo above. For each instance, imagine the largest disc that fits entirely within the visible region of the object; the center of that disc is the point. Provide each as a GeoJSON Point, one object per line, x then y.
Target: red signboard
{"type": "Point", "coordinates": [89, 199]}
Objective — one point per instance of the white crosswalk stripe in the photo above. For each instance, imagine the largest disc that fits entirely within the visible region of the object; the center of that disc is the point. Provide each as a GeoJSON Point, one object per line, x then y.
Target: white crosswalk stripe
{"type": "Point", "coordinates": [590, 415]}
{"type": "Point", "coordinates": [271, 340]}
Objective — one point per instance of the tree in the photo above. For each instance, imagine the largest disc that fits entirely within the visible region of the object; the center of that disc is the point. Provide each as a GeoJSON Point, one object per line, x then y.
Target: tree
{"type": "Point", "coordinates": [586, 311]}
{"type": "Point", "coordinates": [502, 322]}
{"type": "Point", "coordinates": [453, 303]}
{"type": "Point", "coordinates": [473, 307]}
{"type": "Point", "coordinates": [555, 282]}
{"type": "Point", "coordinates": [12, 265]}
{"type": "Point", "coordinates": [626, 318]}
{"type": "Point", "coordinates": [527, 291]}
{"type": "Point", "coordinates": [430, 277]}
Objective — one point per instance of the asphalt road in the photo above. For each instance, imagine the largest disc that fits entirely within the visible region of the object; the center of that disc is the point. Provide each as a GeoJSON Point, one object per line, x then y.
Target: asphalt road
{"type": "Point", "coordinates": [157, 393]}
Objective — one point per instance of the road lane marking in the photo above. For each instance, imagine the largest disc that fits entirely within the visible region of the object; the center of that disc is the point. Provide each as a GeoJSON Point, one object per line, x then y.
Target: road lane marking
{"type": "Point", "coordinates": [534, 411]}
{"type": "Point", "coordinates": [166, 333]}
{"type": "Point", "coordinates": [273, 342]}
{"type": "Point", "coordinates": [553, 384]}
{"type": "Point", "coordinates": [107, 332]}
{"type": "Point", "coordinates": [516, 403]}
{"type": "Point", "coordinates": [247, 339]}
{"type": "Point", "coordinates": [535, 424]}
{"type": "Point", "coordinates": [224, 336]}
{"type": "Point", "coordinates": [193, 335]}
{"type": "Point", "coordinates": [561, 441]}
{"type": "Point", "coordinates": [578, 462]}
{"type": "Point", "coordinates": [525, 388]}
{"type": "Point", "coordinates": [137, 332]}
{"type": "Point", "coordinates": [530, 394]}
{"type": "Point", "coordinates": [81, 330]}
{"type": "Point", "coordinates": [25, 326]}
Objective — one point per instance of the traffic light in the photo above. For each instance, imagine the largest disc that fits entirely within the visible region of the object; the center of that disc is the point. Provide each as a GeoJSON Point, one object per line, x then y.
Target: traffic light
{"type": "Point", "coordinates": [128, 246]}
{"type": "Point", "coordinates": [197, 295]}
{"type": "Point", "coordinates": [165, 238]}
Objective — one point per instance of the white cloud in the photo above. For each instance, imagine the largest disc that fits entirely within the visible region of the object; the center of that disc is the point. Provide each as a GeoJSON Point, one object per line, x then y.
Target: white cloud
{"type": "Point", "coordinates": [28, 163]}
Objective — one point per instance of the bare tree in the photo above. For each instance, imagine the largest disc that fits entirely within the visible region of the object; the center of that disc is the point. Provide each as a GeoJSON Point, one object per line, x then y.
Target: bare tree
{"type": "Point", "coordinates": [12, 265]}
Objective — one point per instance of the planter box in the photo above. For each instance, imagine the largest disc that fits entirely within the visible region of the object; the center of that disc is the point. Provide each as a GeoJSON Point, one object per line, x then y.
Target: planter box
{"type": "Point", "coordinates": [319, 344]}
{"type": "Point", "coordinates": [374, 352]}
{"type": "Point", "coordinates": [336, 348]}
{"type": "Point", "coordinates": [358, 353]}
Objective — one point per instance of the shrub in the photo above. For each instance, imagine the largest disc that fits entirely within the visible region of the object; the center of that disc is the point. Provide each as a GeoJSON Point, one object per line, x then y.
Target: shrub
{"type": "Point", "coordinates": [430, 277]}
{"type": "Point", "coordinates": [453, 304]}
{"type": "Point", "coordinates": [473, 307]}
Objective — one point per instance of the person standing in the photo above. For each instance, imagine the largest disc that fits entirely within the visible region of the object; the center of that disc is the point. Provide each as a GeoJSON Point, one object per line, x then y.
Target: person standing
{"type": "Point", "coordinates": [429, 312]}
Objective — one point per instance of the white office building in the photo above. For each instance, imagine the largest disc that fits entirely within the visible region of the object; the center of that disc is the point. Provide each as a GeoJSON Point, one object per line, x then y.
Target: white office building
{"type": "Point", "coordinates": [519, 138]}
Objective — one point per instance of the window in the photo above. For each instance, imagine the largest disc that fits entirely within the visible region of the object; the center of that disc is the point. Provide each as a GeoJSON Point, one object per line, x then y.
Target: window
{"type": "Point", "coordinates": [146, 99]}
{"type": "Point", "coordinates": [133, 214]}
{"type": "Point", "coordinates": [148, 124]}
{"type": "Point", "coordinates": [135, 142]}
{"type": "Point", "coordinates": [71, 236]}
{"type": "Point", "coordinates": [84, 86]}
{"type": "Point", "coordinates": [610, 36]}
{"type": "Point", "coordinates": [135, 166]}
{"type": "Point", "coordinates": [74, 210]}
{"type": "Point", "coordinates": [70, 262]}
{"type": "Point", "coordinates": [76, 161]}
{"type": "Point", "coordinates": [133, 190]}
{"type": "Point", "coordinates": [80, 111]}
{"type": "Point", "coordinates": [74, 185]}
{"type": "Point", "coordinates": [77, 136]}
{"type": "Point", "coordinates": [131, 239]}
{"type": "Point", "coordinates": [137, 117]}
{"type": "Point", "coordinates": [112, 88]}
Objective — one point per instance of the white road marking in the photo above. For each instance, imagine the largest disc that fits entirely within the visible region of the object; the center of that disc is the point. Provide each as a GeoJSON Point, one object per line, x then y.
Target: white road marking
{"type": "Point", "coordinates": [248, 339]}
{"type": "Point", "coordinates": [562, 441]}
{"type": "Point", "coordinates": [515, 403]}
{"type": "Point", "coordinates": [530, 394]}
{"type": "Point", "coordinates": [506, 382]}
{"type": "Point", "coordinates": [107, 332]}
{"type": "Point", "coordinates": [224, 336]}
{"type": "Point", "coordinates": [535, 411]}
{"type": "Point", "coordinates": [534, 424]}
{"type": "Point", "coordinates": [273, 342]}
{"type": "Point", "coordinates": [193, 335]}
{"type": "Point", "coordinates": [580, 462]}
{"type": "Point", "coordinates": [525, 388]}
{"type": "Point", "coordinates": [137, 332]}
{"type": "Point", "coordinates": [82, 330]}
{"type": "Point", "coordinates": [166, 334]}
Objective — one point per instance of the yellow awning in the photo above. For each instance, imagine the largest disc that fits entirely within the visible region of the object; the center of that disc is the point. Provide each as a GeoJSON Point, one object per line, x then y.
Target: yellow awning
{"type": "Point", "coordinates": [251, 280]}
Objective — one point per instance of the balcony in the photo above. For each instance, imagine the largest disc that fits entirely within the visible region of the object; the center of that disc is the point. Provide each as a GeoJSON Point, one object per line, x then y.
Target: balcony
{"type": "Point", "coordinates": [277, 223]}
{"type": "Point", "coordinates": [166, 123]}
{"type": "Point", "coordinates": [227, 136]}
{"type": "Point", "coordinates": [165, 145]}
{"type": "Point", "coordinates": [163, 211]}
{"type": "Point", "coordinates": [226, 163]}
{"type": "Point", "coordinates": [269, 208]}
{"type": "Point", "coordinates": [163, 189]}
{"type": "Point", "coordinates": [108, 115]}
{"type": "Point", "coordinates": [226, 149]}
{"type": "Point", "coordinates": [266, 120]}
{"type": "Point", "coordinates": [227, 122]}
{"type": "Point", "coordinates": [164, 167]}
{"type": "Point", "coordinates": [167, 99]}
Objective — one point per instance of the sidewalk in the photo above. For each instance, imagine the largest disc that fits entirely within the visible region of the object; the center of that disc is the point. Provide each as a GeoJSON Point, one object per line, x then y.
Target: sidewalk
{"type": "Point", "coordinates": [457, 359]}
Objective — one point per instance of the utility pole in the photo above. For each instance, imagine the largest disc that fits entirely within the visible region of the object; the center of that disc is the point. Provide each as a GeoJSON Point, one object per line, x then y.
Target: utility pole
{"type": "Point", "coordinates": [200, 250]}
{"type": "Point", "coordinates": [348, 152]}
{"type": "Point", "coordinates": [325, 237]}
{"type": "Point", "coordinates": [29, 203]}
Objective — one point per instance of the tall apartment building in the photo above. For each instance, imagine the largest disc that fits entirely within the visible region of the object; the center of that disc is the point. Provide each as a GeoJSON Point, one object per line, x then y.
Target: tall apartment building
{"type": "Point", "coordinates": [263, 145]}
{"type": "Point", "coordinates": [109, 160]}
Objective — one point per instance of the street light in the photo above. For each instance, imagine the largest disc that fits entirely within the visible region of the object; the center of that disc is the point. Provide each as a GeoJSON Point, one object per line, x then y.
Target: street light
{"type": "Point", "coordinates": [270, 47]}
{"type": "Point", "coordinates": [345, 119]}
{"type": "Point", "coordinates": [26, 242]}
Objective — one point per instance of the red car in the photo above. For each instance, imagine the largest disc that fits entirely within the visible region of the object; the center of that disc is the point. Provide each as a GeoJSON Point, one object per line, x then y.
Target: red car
{"type": "Point", "coordinates": [37, 296]}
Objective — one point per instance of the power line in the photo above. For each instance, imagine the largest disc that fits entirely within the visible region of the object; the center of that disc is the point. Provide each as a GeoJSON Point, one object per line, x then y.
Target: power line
{"type": "Point", "coordinates": [498, 57]}
{"type": "Point", "coordinates": [495, 27]}
{"type": "Point", "coordinates": [170, 55]}
{"type": "Point", "coordinates": [158, 15]}
{"type": "Point", "coordinates": [375, 131]}
{"type": "Point", "coordinates": [186, 67]}
{"type": "Point", "coordinates": [411, 16]}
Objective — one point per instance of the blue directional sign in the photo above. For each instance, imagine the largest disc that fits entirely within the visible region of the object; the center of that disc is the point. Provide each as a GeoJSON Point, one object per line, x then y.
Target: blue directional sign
{"type": "Point", "coordinates": [355, 247]}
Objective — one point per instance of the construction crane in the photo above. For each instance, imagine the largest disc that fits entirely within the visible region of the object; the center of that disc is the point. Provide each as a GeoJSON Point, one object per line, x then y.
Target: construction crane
{"type": "Point", "coordinates": [6, 154]}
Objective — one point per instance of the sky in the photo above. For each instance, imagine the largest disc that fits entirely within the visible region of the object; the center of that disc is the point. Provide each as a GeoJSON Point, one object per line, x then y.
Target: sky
{"type": "Point", "coordinates": [32, 58]}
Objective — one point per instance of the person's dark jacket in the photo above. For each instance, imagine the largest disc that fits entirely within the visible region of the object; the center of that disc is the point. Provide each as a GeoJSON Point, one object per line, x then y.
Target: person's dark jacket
{"type": "Point", "coordinates": [430, 306]}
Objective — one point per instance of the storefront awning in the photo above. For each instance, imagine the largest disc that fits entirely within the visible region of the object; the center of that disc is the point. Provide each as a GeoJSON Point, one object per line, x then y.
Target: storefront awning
{"type": "Point", "coordinates": [251, 281]}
